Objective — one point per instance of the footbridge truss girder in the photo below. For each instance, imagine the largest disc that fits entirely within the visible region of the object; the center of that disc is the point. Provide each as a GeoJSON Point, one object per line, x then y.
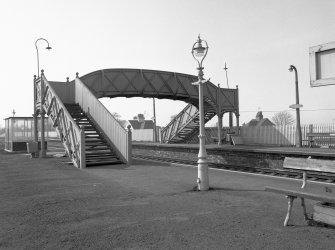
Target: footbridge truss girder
{"type": "Point", "coordinates": [159, 84]}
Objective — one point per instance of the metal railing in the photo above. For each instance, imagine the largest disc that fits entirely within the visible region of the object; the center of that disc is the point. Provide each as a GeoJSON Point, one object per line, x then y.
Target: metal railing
{"type": "Point", "coordinates": [68, 131]}
{"type": "Point", "coordinates": [111, 128]}
{"type": "Point", "coordinates": [179, 122]}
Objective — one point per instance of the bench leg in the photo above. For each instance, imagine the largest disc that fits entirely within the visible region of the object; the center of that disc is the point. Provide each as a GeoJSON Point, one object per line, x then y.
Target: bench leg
{"type": "Point", "coordinates": [304, 209]}
{"type": "Point", "coordinates": [289, 209]}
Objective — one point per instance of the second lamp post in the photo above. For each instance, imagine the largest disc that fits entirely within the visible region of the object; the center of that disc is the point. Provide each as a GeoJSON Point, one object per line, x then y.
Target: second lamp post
{"type": "Point", "coordinates": [297, 106]}
{"type": "Point", "coordinates": [199, 53]}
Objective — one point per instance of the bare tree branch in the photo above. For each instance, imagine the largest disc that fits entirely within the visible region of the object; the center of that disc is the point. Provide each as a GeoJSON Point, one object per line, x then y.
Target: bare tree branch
{"type": "Point", "coordinates": [283, 118]}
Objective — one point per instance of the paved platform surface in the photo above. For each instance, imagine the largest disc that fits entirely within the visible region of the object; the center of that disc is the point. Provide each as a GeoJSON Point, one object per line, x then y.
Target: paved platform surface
{"type": "Point", "coordinates": [47, 204]}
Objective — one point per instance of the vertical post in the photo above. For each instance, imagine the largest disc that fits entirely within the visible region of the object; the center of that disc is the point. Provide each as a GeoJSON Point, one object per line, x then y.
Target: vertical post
{"type": "Point", "coordinates": [82, 148]}
{"type": "Point", "coordinates": [289, 209]}
{"type": "Point", "coordinates": [200, 52]}
{"type": "Point", "coordinates": [154, 132]}
{"type": "Point", "coordinates": [35, 114]}
{"type": "Point", "coordinates": [42, 154]}
{"type": "Point", "coordinates": [219, 128]}
{"type": "Point", "coordinates": [231, 123]}
{"type": "Point", "coordinates": [129, 145]}
{"type": "Point", "coordinates": [298, 133]}
{"type": "Point", "coordinates": [237, 114]}
{"type": "Point", "coordinates": [219, 114]}
{"type": "Point", "coordinates": [238, 123]}
{"type": "Point", "coordinates": [203, 180]}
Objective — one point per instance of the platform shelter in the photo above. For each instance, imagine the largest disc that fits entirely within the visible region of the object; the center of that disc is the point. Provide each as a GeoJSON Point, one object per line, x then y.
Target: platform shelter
{"type": "Point", "coordinates": [20, 130]}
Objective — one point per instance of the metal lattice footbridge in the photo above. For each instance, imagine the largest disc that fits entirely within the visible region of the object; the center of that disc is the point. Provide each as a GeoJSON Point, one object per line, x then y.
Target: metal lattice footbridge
{"type": "Point", "coordinates": [89, 132]}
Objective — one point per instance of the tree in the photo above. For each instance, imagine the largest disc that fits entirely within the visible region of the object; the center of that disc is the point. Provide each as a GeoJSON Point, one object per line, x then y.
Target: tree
{"type": "Point", "coordinates": [283, 118]}
{"type": "Point", "coordinates": [118, 118]}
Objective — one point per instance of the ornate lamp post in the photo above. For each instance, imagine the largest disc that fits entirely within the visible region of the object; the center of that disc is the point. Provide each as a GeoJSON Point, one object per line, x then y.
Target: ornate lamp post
{"type": "Point", "coordinates": [42, 111]}
{"type": "Point", "coordinates": [38, 57]}
{"type": "Point", "coordinates": [199, 53]}
{"type": "Point", "coordinates": [297, 107]}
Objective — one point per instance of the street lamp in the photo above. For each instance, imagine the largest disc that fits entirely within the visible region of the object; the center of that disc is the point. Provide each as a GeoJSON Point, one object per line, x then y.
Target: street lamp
{"type": "Point", "coordinates": [199, 53]}
{"type": "Point", "coordinates": [38, 57]}
{"type": "Point", "coordinates": [297, 106]}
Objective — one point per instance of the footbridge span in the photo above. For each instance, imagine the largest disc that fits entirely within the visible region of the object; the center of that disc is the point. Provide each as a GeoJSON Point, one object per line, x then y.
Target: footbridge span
{"type": "Point", "coordinates": [92, 136]}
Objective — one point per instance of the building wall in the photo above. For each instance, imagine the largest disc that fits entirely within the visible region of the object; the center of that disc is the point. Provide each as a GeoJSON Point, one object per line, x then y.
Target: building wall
{"type": "Point", "coordinates": [142, 134]}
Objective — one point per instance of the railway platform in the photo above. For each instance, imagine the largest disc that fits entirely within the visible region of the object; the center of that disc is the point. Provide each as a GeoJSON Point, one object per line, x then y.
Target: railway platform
{"type": "Point", "coordinates": [48, 204]}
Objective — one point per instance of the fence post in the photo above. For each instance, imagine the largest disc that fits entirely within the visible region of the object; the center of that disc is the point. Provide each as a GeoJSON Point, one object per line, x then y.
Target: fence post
{"type": "Point", "coordinates": [129, 145]}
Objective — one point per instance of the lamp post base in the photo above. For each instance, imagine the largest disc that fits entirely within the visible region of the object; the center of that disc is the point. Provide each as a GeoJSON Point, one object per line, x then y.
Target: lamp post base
{"type": "Point", "coordinates": [203, 180]}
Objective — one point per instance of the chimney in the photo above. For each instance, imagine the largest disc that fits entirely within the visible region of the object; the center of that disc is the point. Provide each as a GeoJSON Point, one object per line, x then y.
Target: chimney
{"type": "Point", "coordinates": [140, 118]}
{"type": "Point", "coordinates": [259, 116]}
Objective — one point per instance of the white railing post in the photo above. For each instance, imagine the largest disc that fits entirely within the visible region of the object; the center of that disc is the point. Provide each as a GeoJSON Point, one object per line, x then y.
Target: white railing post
{"type": "Point", "coordinates": [129, 145]}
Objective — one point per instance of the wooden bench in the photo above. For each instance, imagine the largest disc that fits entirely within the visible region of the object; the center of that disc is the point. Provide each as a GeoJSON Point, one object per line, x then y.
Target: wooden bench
{"type": "Point", "coordinates": [320, 138]}
{"type": "Point", "coordinates": [305, 165]}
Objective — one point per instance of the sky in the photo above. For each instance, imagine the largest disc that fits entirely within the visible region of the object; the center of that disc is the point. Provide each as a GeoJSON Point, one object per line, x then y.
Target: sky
{"type": "Point", "coordinates": [258, 40]}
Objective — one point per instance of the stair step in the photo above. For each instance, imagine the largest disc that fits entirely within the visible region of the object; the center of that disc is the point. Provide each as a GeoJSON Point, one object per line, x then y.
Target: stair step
{"type": "Point", "coordinates": [93, 154]}
{"type": "Point", "coordinates": [96, 155]}
{"type": "Point", "coordinates": [95, 144]}
{"type": "Point", "coordinates": [105, 148]}
{"type": "Point", "coordinates": [92, 136]}
{"type": "Point", "coordinates": [94, 139]}
{"type": "Point", "coordinates": [83, 122]}
{"type": "Point", "coordinates": [97, 150]}
{"type": "Point", "coordinates": [90, 164]}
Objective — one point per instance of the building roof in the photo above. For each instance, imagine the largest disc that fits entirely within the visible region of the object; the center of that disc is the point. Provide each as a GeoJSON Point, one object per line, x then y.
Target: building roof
{"type": "Point", "coordinates": [146, 124]}
{"type": "Point", "coordinates": [259, 121]}
{"type": "Point", "coordinates": [263, 122]}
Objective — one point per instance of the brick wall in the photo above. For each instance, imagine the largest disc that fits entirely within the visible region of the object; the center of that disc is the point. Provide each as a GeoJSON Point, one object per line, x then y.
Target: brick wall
{"type": "Point", "coordinates": [224, 156]}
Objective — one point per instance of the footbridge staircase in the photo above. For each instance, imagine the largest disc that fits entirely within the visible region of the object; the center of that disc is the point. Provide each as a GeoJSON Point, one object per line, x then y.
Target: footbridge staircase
{"type": "Point", "coordinates": [90, 133]}
{"type": "Point", "coordinates": [184, 128]}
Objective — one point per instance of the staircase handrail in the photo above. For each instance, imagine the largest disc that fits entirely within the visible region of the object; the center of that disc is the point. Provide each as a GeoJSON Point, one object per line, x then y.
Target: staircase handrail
{"type": "Point", "coordinates": [176, 117]}
{"type": "Point", "coordinates": [116, 134]}
{"type": "Point", "coordinates": [166, 136]}
{"type": "Point", "coordinates": [70, 133]}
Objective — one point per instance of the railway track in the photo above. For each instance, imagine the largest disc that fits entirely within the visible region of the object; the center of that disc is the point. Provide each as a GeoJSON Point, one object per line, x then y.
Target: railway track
{"type": "Point", "coordinates": [312, 176]}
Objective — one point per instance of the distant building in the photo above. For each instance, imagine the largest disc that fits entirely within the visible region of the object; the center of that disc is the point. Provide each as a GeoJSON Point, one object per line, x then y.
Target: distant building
{"type": "Point", "coordinates": [142, 130]}
{"type": "Point", "coordinates": [259, 121]}
{"type": "Point", "coordinates": [139, 122]}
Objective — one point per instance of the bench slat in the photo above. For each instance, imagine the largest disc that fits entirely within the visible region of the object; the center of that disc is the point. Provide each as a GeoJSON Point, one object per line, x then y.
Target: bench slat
{"type": "Point", "coordinates": [309, 164]}
{"type": "Point", "coordinates": [310, 196]}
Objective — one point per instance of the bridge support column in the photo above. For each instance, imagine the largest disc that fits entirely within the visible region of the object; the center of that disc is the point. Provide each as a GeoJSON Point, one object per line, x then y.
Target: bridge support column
{"type": "Point", "coordinates": [35, 115]}
{"type": "Point", "coordinates": [220, 128]}
{"type": "Point", "coordinates": [231, 123]}
{"type": "Point", "coordinates": [42, 112]}
{"type": "Point", "coordinates": [238, 123]}
{"type": "Point", "coordinates": [42, 153]}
